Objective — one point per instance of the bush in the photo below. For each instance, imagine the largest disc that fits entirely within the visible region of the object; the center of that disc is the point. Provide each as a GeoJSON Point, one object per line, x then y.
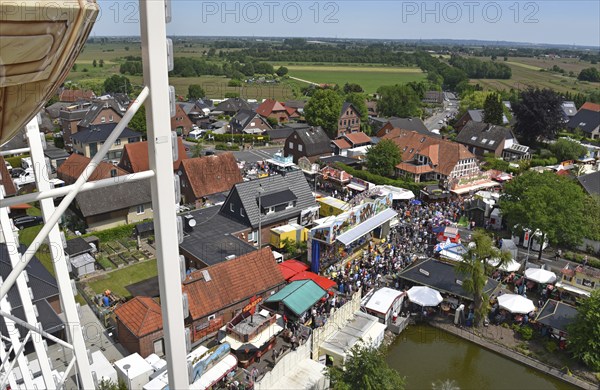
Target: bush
{"type": "Point", "coordinates": [550, 346]}
{"type": "Point", "coordinates": [16, 160]}
{"type": "Point", "coordinates": [577, 258]}
{"type": "Point", "coordinates": [116, 233]}
{"type": "Point", "coordinates": [222, 146]}
{"type": "Point", "coordinates": [379, 180]}
{"type": "Point", "coordinates": [229, 95]}
{"type": "Point", "coordinates": [234, 83]}
{"type": "Point", "coordinates": [239, 137]}
{"type": "Point", "coordinates": [526, 332]}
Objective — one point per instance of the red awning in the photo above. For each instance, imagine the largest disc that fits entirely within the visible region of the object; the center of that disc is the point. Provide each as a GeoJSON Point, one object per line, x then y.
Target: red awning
{"type": "Point", "coordinates": [290, 268]}
{"type": "Point", "coordinates": [322, 281]}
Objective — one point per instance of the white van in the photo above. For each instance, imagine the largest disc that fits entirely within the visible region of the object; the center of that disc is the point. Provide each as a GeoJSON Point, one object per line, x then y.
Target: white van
{"type": "Point", "coordinates": [196, 134]}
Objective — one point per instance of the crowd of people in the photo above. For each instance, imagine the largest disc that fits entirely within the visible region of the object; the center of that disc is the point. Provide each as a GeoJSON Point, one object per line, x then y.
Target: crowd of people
{"type": "Point", "coordinates": [411, 238]}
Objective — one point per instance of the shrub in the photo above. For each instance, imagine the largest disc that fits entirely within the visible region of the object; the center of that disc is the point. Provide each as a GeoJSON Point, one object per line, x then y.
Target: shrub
{"type": "Point", "coordinates": [239, 137]}
{"type": "Point", "coordinates": [526, 332]}
{"type": "Point", "coordinates": [222, 146]}
{"type": "Point", "coordinates": [113, 234]}
{"type": "Point", "coordinates": [234, 83]}
{"type": "Point", "coordinates": [16, 160]}
{"type": "Point", "coordinates": [550, 346]}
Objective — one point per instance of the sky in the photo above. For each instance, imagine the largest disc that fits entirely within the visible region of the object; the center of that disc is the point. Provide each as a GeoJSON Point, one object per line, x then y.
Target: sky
{"type": "Point", "coordinates": [546, 21]}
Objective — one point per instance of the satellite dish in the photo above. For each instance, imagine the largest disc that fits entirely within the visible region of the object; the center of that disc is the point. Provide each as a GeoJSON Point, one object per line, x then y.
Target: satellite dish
{"type": "Point", "coordinates": [37, 54]}
{"type": "Point", "coordinates": [192, 222]}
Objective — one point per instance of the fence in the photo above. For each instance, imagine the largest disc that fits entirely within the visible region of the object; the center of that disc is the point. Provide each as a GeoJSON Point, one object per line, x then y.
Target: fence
{"type": "Point", "coordinates": [337, 320]}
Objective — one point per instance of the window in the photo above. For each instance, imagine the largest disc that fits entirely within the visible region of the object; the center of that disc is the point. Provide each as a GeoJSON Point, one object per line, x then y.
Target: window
{"type": "Point", "coordinates": [578, 281]}
{"type": "Point", "coordinates": [251, 123]}
{"type": "Point", "coordinates": [140, 208]}
{"type": "Point", "coordinates": [102, 119]}
{"type": "Point", "coordinates": [491, 142]}
{"type": "Point", "coordinates": [289, 205]}
{"type": "Point", "coordinates": [212, 317]}
{"type": "Point", "coordinates": [474, 138]}
{"type": "Point", "coordinates": [484, 140]}
{"type": "Point", "coordinates": [291, 145]}
{"type": "Point", "coordinates": [118, 142]}
{"type": "Point", "coordinates": [253, 236]}
{"type": "Point", "coordinates": [242, 211]}
{"type": "Point", "coordinates": [131, 140]}
{"type": "Point", "coordinates": [269, 210]}
{"type": "Point", "coordinates": [299, 147]}
{"type": "Point", "coordinates": [231, 207]}
{"type": "Point", "coordinates": [411, 150]}
{"type": "Point", "coordinates": [111, 118]}
{"type": "Point", "coordinates": [159, 347]}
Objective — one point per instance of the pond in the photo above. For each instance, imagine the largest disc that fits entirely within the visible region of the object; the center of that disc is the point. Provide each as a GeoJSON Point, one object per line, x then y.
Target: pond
{"type": "Point", "coordinates": [425, 355]}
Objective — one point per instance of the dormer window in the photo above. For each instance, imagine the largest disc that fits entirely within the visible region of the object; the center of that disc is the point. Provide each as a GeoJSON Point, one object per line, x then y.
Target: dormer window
{"type": "Point", "coordinates": [474, 138]}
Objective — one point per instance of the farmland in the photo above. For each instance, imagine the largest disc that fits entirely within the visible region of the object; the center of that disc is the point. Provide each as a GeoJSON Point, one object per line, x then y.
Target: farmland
{"type": "Point", "coordinates": [369, 77]}
{"type": "Point", "coordinates": [527, 72]}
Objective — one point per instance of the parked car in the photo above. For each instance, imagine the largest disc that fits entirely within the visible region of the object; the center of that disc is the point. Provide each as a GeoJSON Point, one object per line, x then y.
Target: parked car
{"type": "Point", "coordinates": [16, 172]}
{"type": "Point", "coordinates": [8, 166]}
{"type": "Point", "coordinates": [27, 221]}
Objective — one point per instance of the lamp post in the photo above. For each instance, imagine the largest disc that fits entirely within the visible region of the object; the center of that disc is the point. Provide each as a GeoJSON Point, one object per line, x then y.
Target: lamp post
{"type": "Point", "coordinates": [126, 367]}
{"type": "Point", "coordinates": [260, 191]}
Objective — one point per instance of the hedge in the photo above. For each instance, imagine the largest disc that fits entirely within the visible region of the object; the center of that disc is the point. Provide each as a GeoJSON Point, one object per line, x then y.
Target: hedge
{"type": "Point", "coordinates": [15, 161]}
{"type": "Point", "coordinates": [381, 180]}
{"type": "Point", "coordinates": [116, 233]}
{"type": "Point", "coordinates": [577, 258]}
{"type": "Point", "coordinates": [238, 137]}
{"type": "Point", "coordinates": [222, 146]}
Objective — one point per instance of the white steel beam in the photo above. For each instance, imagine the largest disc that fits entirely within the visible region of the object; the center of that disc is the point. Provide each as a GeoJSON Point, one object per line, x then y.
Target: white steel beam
{"type": "Point", "coordinates": [14, 335]}
{"type": "Point", "coordinates": [158, 119]}
{"type": "Point", "coordinates": [34, 328]}
{"type": "Point", "coordinates": [13, 151]}
{"type": "Point", "coordinates": [57, 253]}
{"type": "Point", "coordinates": [62, 191]}
{"type": "Point", "coordinates": [51, 220]}
{"type": "Point", "coordinates": [13, 253]}
{"type": "Point", "coordinates": [12, 364]}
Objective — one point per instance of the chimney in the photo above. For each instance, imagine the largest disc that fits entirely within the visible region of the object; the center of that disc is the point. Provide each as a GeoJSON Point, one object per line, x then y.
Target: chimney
{"type": "Point", "coordinates": [188, 223]}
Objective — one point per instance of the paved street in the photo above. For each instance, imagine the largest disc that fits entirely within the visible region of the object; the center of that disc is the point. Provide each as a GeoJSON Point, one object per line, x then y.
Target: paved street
{"type": "Point", "coordinates": [450, 107]}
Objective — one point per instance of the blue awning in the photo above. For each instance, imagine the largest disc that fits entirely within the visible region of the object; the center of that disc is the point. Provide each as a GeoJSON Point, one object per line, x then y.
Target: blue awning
{"type": "Point", "coordinates": [360, 230]}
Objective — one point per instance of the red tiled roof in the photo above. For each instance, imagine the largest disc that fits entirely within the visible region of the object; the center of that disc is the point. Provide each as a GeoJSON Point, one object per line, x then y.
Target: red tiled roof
{"type": "Point", "coordinates": [292, 112]}
{"type": "Point", "coordinates": [322, 281]}
{"type": "Point", "coordinates": [444, 153]}
{"type": "Point", "coordinates": [73, 167]}
{"type": "Point", "coordinates": [590, 106]}
{"type": "Point", "coordinates": [231, 282]}
{"type": "Point", "coordinates": [357, 138]}
{"type": "Point", "coordinates": [6, 180]}
{"type": "Point", "coordinates": [141, 316]}
{"type": "Point", "coordinates": [341, 143]}
{"type": "Point", "coordinates": [290, 268]}
{"type": "Point", "coordinates": [269, 106]}
{"type": "Point", "coordinates": [136, 156]}
{"type": "Point", "coordinates": [211, 174]}
{"type": "Point", "coordinates": [415, 169]}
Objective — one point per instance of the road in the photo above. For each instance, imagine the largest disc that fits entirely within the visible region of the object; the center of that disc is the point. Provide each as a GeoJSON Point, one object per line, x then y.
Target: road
{"type": "Point", "coordinates": [450, 107]}
{"type": "Point", "coordinates": [248, 155]}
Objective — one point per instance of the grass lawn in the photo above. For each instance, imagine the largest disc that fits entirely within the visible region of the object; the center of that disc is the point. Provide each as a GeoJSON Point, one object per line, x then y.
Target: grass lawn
{"type": "Point", "coordinates": [370, 78]}
{"type": "Point", "coordinates": [116, 281]}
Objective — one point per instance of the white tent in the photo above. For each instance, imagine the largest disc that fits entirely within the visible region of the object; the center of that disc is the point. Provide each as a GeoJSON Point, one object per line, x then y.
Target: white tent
{"type": "Point", "coordinates": [510, 266]}
{"type": "Point", "coordinates": [540, 275]}
{"type": "Point", "coordinates": [516, 304]}
{"type": "Point", "coordinates": [424, 296]}
{"type": "Point", "coordinates": [384, 302]}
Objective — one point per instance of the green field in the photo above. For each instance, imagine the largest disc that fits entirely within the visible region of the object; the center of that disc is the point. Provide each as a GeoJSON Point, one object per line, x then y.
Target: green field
{"type": "Point", "coordinates": [526, 72]}
{"type": "Point", "coordinates": [370, 78]}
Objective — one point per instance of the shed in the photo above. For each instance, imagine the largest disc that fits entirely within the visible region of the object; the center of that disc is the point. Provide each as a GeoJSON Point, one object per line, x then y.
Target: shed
{"type": "Point", "coordinates": [83, 264]}
{"type": "Point", "coordinates": [496, 219]}
{"type": "Point", "coordinates": [297, 297]}
{"type": "Point", "coordinates": [102, 369]}
{"type": "Point", "coordinates": [507, 245]}
{"type": "Point", "coordinates": [383, 303]}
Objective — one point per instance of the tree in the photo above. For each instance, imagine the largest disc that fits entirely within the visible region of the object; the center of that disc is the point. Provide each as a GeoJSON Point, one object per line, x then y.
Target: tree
{"type": "Point", "coordinates": [383, 158]}
{"type": "Point", "coordinates": [365, 369]}
{"type": "Point", "coordinates": [352, 87]}
{"type": "Point", "coordinates": [589, 74]}
{"type": "Point", "coordinates": [195, 92]}
{"type": "Point", "coordinates": [493, 109]}
{"type": "Point", "coordinates": [584, 332]}
{"type": "Point", "coordinates": [398, 100]}
{"type": "Point", "coordinates": [94, 63]}
{"type": "Point", "coordinates": [117, 84]}
{"type": "Point", "coordinates": [548, 202]}
{"type": "Point", "coordinates": [473, 267]}
{"type": "Point", "coordinates": [323, 109]}
{"type": "Point", "coordinates": [282, 71]}
{"type": "Point", "coordinates": [565, 149]}
{"type": "Point", "coordinates": [138, 122]}
{"type": "Point", "coordinates": [197, 149]}
{"type": "Point", "coordinates": [359, 101]}
{"type": "Point", "coordinates": [101, 63]}
{"type": "Point", "coordinates": [538, 114]}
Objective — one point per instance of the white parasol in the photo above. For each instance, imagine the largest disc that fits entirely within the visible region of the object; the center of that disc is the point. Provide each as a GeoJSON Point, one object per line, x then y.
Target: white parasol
{"type": "Point", "coordinates": [424, 296]}
{"type": "Point", "coordinates": [516, 304]}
